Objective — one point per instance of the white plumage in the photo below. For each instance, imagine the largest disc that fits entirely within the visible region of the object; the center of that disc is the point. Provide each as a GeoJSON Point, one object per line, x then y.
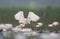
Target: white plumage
{"type": "Point", "coordinates": [19, 15]}
{"type": "Point", "coordinates": [31, 17]}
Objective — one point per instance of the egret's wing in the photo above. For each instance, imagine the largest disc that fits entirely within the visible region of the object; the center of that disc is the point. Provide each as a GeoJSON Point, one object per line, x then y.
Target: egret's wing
{"type": "Point", "coordinates": [33, 17]}
{"type": "Point", "coordinates": [19, 15]}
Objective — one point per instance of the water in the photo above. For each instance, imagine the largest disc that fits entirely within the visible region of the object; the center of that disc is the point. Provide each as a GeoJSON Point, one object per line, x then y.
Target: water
{"type": "Point", "coordinates": [1, 36]}
{"type": "Point", "coordinates": [27, 35]}
{"type": "Point", "coordinates": [18, 35]}
{"type": "Point", "coordinates": [49, 35]}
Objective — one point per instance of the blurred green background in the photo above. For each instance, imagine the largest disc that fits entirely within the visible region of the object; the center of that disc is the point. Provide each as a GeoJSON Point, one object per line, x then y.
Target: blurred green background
{"type": "Point", "coordinates": [47, 14]}
{"type": "Point", "coordinates": [48, 10]}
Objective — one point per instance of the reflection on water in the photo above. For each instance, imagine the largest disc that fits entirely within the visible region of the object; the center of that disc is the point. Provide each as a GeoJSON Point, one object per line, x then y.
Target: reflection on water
{"type": "Point", "coordinates": [21, 35]}
{"type": "Point", "coordinates": [49, 36]}
{"type": "Point", "coordinates": [18, 36]}
{"type": "Point", "coordinates": [1, 36]}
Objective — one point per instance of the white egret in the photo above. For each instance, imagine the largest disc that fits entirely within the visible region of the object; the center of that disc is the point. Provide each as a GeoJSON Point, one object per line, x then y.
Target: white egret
{"type": "Point", "coordinates": [31, 17]}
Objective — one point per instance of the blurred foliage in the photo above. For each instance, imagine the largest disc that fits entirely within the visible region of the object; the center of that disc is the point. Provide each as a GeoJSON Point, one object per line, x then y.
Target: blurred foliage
{"type": "Point", "coordinates": [47, 14]}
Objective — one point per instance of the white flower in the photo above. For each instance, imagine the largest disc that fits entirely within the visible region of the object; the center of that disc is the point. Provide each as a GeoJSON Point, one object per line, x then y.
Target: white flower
{"type": "Point", "coordinates": [8, 26]}
{"type": "Point", "coordinates": [37, 26]}
{"type": "Point", "coordinates": [50, 25]}
{"type": "Point", "coordinates": [40, 24]}
{"type": "Point", "coordinates": [55, 23]}
{"type": "Point", "coordinates": [16, 29]}
{"type": "Point", "coordinates": [5, 27]}
{"type": "Point", "coordinates": [26, 30]}
{"type": "Point", "coordinates": [2, 26]}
